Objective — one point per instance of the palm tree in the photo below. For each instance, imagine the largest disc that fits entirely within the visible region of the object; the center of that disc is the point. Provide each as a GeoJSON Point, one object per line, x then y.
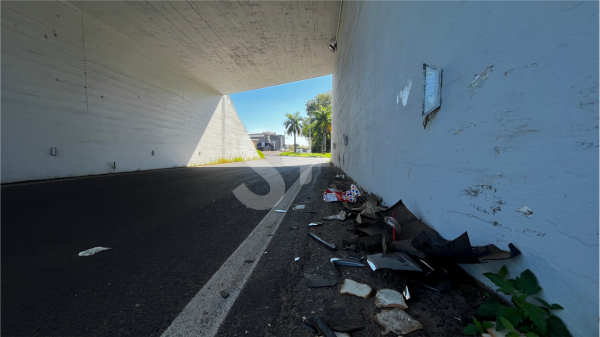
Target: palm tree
{"type": "Point", "coordinates": [292, 125]}
{"type": "Point", "coordinates": [322, 118]}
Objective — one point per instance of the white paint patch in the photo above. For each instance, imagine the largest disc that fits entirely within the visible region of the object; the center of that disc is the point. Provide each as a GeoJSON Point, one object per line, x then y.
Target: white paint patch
{"type": "Point", "coordinates": [404, 93]}
{"type": "Point", "coordinates": [525, 210]}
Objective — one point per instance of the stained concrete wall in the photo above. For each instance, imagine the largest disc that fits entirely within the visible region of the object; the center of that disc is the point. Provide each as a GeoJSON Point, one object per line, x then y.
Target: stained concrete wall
{"type": "Point", "coordinates": [527, 135]}
{"type": "Point", "coordinates": [71, 82]}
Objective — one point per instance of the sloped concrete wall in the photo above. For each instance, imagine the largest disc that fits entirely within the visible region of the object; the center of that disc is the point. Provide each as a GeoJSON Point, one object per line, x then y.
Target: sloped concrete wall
{"type": "Point", "coordinates": [71, 82]}
{"type": "Point", "coordinates": [527, 135]}
{"type": "Point", "coordinates": [225, 137]}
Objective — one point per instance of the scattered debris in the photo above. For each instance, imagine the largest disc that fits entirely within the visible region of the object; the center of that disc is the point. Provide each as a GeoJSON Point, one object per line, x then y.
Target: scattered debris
{"type": "Point", "coordinates": [340, 216]}
{"type": "Point", "coordinates": [480, 78]}
{"type": "Point", "coordinates": [224, 294]}
{"type": "Point", "coordinates": [309, 327]}
{"type": "Point", "coordinates": [299, 207]}
{"type": "Point", "coordinates": [341, 334]}
{"type": "Point", "coordinates": [315, 224]}
{"type": "Point", "coordinates": [336, 261]}
{"type": "Point", "coordinates": [328, 245]}
{"type": "Point", "coordinates": [293, 227]}
{"type": "Point", "coordinates": [323, 328]}
{"type": "Point", "coordinates": [393, 224]}
{"type": "Point", "coordinates": [525, 210]}
{"type": "Point", "coordinates": [316, 281]}
{"type": "Point", "coordinates": [332, 194]}
{"type": "Point", "coordinates": [397, 321]}
{"type": "Point", "coordinates": [406, 293]}
{"type": "Point", "coordinates": [296, 259]}
{"type": "Point", "coordinates": [395, 261]}
{"type": "Point", "coordinates": [389, 298]}
{"type": "Point", "coordinates": [250, 260]}
{"type": "Point", "coordinates": [280, 211]}
{"type": "Point", "coordinates": [265, 252]}
{"type": "Point", "coordinates": [340, 176]}
{"type": "Point", "coordinates": [357, 289]}
{"type": "Point", "coordinates": [92, 251]}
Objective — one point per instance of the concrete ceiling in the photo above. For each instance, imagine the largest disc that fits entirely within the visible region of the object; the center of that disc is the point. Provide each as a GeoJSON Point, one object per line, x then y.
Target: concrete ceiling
{"type": "Point", "coordinates": [230, 46]}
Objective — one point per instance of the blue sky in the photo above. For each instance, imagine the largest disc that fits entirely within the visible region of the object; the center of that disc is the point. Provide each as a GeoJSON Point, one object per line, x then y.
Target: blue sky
{"type": "Point", "coordinates": [265, 109]}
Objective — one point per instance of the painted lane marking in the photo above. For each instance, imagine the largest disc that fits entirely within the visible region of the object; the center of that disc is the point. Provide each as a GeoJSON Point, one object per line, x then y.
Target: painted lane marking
{"type": "Point", "coordinates": [207, 310]}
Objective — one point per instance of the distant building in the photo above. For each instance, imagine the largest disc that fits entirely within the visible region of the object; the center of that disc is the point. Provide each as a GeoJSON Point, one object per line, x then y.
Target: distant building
{"type": "Point", "coordinates": [268, 141]}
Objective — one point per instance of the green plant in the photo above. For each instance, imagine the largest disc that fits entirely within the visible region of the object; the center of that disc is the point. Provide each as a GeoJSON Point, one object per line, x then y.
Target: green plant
{"type": "Point", "coordinates": [473, 329]}
{"type": "Point", "coordinates": [260, 154]}
{"type": "Point", "coordinates": [532, 319]}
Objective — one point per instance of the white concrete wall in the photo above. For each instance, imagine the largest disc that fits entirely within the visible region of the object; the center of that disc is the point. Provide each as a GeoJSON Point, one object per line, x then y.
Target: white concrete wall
{"type": "Point", "coordinates": [528, 135]}
{"type": "Point", "coordinates": [225, 137]}
{"type": "Point", "coordinates": [71, 82]}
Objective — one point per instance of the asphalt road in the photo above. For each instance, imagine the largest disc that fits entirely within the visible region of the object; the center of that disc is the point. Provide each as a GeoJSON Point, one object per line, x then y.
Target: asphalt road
{"type": "Point", "coordinates": [168, 230]}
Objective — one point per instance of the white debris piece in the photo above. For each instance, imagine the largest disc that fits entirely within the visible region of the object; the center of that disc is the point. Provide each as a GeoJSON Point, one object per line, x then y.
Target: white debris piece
{"type": "Point", "coordinates": [525, 210]}
{"type": "Point", "coordinates": [341, 334]}
{"type": "Point", "coordinates": [397, 321]}
{"type": "Point", "coordinates": [296, 259]}
{"type": "Point", "coordinates": [389, 298]}
{"type": "Point", "coordinates": [92, 251]}
{"type": "Point", "coordinates": [280, 211]}
{"type": "Point", "coordinates": [300, 207]}
{"type": "Point", "coordinates": [357, 289]}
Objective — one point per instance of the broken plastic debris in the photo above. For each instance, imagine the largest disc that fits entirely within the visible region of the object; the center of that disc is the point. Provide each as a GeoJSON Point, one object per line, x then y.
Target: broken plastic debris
{"type": "Point", "coordinates": [323, 328]}
{"type": "Point", "coordinates": [223, 293]}
{"type": "Point", "coordinates": [300, 207]}
{"type": "Point", "coordinates": [397, 321]}
{"type": "Point", "coordinates": [293, 227]}
{"type": "Point", "coordinates": [280, 211]}
{"type": "Point", "coordinates": [309, 327]}
{"type": "Point", "coordinates": [316, 281]}
{"type": "Point", "coordinates": [357, 289]}
{"type": "Point", "coordinates": [92, 251]}
{"type": "Point", "coordinates": [336, 261]}
{"type": "Point", "coordinates": [395, 261]}
{"type": "Point", "coordinates": [393, 224]}
{"type": "Point", "coordinates": [341, 334]}
{"type": "Point", "coordinates": [265, 252]}
{"type": "Point", "coordinates": [525, 210]}
{"type": "Point", "coordinates": [328, 245]}
{"type": "Point", "coordinates": [296, 259]}
{"type": "Point", "coordinates": [340, 216]}
{"type": "Point", "coordinates": [389, 298]}
{"type": "Point", "coordinates": [315, 223]}
{"type": "Point", "coordinates": [340, 176]}
{"type": "Point", "coordinates": [406, 293]}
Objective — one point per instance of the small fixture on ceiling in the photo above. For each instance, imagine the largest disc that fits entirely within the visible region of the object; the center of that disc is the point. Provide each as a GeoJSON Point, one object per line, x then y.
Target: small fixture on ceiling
{"type": "Point", "coordinates": [333, 47]}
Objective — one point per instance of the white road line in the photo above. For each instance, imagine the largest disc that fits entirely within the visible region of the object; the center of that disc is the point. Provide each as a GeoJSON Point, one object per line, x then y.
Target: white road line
{"type": "Point", "coordinates": [207, 310]}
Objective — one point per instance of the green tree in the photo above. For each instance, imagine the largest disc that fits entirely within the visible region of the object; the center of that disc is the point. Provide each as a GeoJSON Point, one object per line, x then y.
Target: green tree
{"type": "Point", "coordinates": [309, 130]}
{"type": "Point", "coordinates": [322, 122]}
{"type": "Point", "coordinates": [292, 125]}
{"type": "Point", "coordinates": [323, 100]}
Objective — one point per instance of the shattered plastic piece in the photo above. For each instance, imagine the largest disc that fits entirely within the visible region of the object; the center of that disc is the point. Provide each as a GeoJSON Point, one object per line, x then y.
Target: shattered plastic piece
{"type": "Point", "coordinates": [316, 281]}
{"type": "Point", "coordinates": [224, 294]}
{"type": "Point", "coordinates": [340, 176]}
{"type": "Point", "coordinates": [280, 211]}
{"type": "Point", "coordinates": [309, 327]}
{"type": "Point", "coordinates": [395, 261]}
{"type": "Point", "coordinates": [336, 261]}
{"type": "Point", "coordinates": [341, 334]}
{"type": "Point", "coordinates": [250, 260]}
{"type": "Point", "coordinates": [293, 227]}
{"type": "Point", "coordinates": [397, 321]}
{"type": "Point", "coordinates": [357, 289]}
{"type": "Point", "coordinates": [389, 298]}
{"type": "Point", "coordinates": [300, 207]}
{"type": "Point", "coordinates": [355, 256]}
{"type": "Point", "coordinates": [340, 216]}
{"type": "Point", "coordinates": [347, 328]}
{"type": "Point", "coordinates": [328, 245]}
{"type": "Point", "coordinates": [92, 251]}
{"type": "Point", "coordinates": [393, 224]}
{"type": "Point", "coordinates": [296, 259]}
{"type": "Point", "coordinates": [525, 210]}
{"type": "Point", "coordinates": [323, 328]}
{"type": "Point", "coordinates": [406, 293]}
{"type": "Point", "coordinates": [315, 223]}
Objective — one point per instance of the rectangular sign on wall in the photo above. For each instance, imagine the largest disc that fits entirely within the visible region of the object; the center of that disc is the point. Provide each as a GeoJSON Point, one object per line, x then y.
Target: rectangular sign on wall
{"type": "Point", "coordinates": [432, 88]}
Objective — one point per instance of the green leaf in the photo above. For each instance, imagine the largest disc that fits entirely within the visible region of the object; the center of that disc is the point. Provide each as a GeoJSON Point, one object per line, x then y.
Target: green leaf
{"type": "Point", "coordinates": [556, 307]}
{"type": "Point", "coordinates": [527, 283]}
{"type": "Point", "coordinates": [507, 324]}
{"type": "Point", "coordinates": [502, 272]}
{"type": "Point", "coordinates": [489, 309]}
{"type": "Point", "coordinates": [523, 328]}
{"type": "Point", "coordinates": [536, 314]}
{"type": "Point", "coordinates": [556, 328]}
{"type": "Point", "coordinates": [487, 325]}
{"type": "Point", "coordinates": [512, 334]}
{"type": "Point", "coordinates": [531, 334]}
{"type": "Point", "coordinates": [511, 314]}
{"type": "Point", "coordinates": [470, 330]}
{"type": "Point", "coordinates": [545, 304]}
{"type": "Point", "coordinates": [504, 286]}
{"type": "Point", "coordinates": [499, 325]}
{"type": "Point", "coordinates": [477, 324]}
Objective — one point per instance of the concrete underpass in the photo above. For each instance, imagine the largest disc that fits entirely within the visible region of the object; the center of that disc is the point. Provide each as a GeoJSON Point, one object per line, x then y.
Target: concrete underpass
{"type": "Point", "coordinates": [109, 109]}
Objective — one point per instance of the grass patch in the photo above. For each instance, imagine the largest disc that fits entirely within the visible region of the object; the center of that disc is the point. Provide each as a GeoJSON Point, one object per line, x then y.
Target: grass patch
{"type": "Point", "coordinates": [314, 155]}
{"type": "Point", "coordinates": [225, 161]}
{"type": "Point", "coordinates": [260, 154]}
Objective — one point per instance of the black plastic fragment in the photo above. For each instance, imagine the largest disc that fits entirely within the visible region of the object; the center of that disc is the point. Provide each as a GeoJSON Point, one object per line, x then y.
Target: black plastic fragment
{"type": "Point", "coordinates": [395, 261]}
{"type": "Point", "coordinates": [317, 281]}
{"type": "Point", "coordinates": [336, 261]}
{"type": "Point", "coordinates": [309, 327]}
{"type": "Point", "coordinates": [224, 294]}
{"type": "Point", "coordinates": [323, 328]}
{"type": "Point", "coordinates": [328, 245]}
